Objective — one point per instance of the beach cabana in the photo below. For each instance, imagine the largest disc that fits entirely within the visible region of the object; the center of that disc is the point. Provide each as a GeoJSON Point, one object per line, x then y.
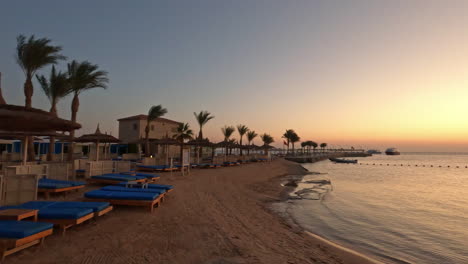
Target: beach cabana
{"type": "Point", "coordinates": [97, 138]}
{"type": "Point", "coordinates": [20, 120]}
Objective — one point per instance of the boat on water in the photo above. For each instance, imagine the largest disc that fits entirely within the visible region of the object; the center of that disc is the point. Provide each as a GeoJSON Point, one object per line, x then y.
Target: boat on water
{"type": "Point", "coordinates": [392, 151]}
{"type": "Point", "coordinates": [374, 151]}
{"type": "Point", "coordinates": [342, 160]}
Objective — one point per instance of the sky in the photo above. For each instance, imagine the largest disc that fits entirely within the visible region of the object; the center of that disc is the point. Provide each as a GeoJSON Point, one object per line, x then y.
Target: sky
{"type": "Point", "coordinates": [362, 73]}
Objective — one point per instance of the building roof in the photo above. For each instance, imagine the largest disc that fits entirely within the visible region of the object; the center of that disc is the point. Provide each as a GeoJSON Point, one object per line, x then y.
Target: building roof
{"type": "Point", "coordinates": [143, 117]}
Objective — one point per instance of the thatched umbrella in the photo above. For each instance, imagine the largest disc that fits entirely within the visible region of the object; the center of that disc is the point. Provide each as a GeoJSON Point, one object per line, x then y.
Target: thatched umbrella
{"type": "Point", "coordinates": [19, 120]}
{"type": "Point", "coordinates": [96, 138]}
{"type": "Point", "coordinates": [201, 143]}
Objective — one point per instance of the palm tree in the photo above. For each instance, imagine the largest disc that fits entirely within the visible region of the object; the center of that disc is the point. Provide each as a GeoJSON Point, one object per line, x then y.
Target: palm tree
{"type": "Point", "coordinates": [314, 145]}
{"type": "Point", "coordinates": [294, 138]}
{"type": "Point", "coordinates": [183, 133]}
{"type": "Point", "coordinates": [251, 135]}
{"type": "Point", "coordinates": [303, 146]}
{"type": "Point", "coordinates": [242, 129]}
{"type": "Point", "coordinates": [288, 135]}
{"type": "Point", "coordinates": [83, 76]}
{"type": "Point", "coordinates": [267, 140]}
{"type": "Point", "coordinates": [156, 111]}
{"type": "Point", "coordinates": [323, 146]}
{"type": "Point", "coordinates": [2, 100]}
{"type": "Point", "coordinates": [202, 118]}
{"type": "Point", "coordinates": [55, 88]}
{"type": "Point", "coordinates": [227, 133]}
{"type": "Point", "coordinates": [32, 55]}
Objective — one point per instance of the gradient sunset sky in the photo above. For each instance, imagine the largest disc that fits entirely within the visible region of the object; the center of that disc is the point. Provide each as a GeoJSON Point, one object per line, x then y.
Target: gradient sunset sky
{"type": "Point", "coordinates": [363, 73]}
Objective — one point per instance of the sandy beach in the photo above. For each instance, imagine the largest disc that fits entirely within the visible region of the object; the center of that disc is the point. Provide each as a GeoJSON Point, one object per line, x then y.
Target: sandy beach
{"type": "Point", "coordinates": [213, 216]}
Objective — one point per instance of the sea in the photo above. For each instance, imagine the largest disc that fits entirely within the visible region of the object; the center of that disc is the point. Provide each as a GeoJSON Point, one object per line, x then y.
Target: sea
{"type": "Point", "coordinates": [411, 208]}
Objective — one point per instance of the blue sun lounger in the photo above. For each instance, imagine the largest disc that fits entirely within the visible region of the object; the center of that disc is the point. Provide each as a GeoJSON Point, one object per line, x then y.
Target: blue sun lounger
{"type": "Point", "coordinates": [167, 188]}
{"type": "Point", "coordinates": [147, 199]}
{"type": "Point", "coordinates": [18, 235]}
{"type": "Point", "coordinates": [149, 177]}
{"type": "Point", "coordinates": [65, 214]}
{"type": "Point", "coordinates": [115, 178]}
{"type": "Point", "coordinates": [48, 186]}
{"type": "Point", "coordinates": [99, 208]}
{"type": "Point", "coordinates": [154, 168]}
{"type": "Point", "coordinates": [126, 189]}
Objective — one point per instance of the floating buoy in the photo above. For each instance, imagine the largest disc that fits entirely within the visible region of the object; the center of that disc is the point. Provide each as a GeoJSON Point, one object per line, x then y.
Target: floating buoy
{"type": "Point", "coordinates": [432, 166]}
{"type": "Point", "coordinates": [440, 166]}
{"type": "Point", "coordinates": [402, 165]}
{"type": "Point", "coordinates": [416, 165]}
{"type": "Point", "coordinates": [457, 167]}
{"type": "Point", "coordinates": [424, 165]}
{"type": "Point", "coordinates": [448, 166]}
{"type": "Point", "coordinates": [388, 164]}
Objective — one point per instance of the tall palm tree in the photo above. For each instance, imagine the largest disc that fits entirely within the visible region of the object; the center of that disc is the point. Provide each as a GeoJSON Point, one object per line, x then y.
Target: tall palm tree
{"type": "Point", "coordinates": [288, 135]}
{"type": "Point", "coordinates": [267, 140]}
{"type": "Point", "coordinates": [314, 145]}
{"type": "Point", "coordinates": [2, 100]}
{"type": "Point", "coordinates": [323, 146]}
{"type": "Point", "coordinates": [202, 118]}
{"type": "Point", "coordinates": [83, 76]}
{"type": "Point", "coordinates": [183, 133]}
{"type": "Point", "coordinates": [55, 88]}
{"type": "Point", "coordinates": [227, 133]}
{"type": "Point", "coordinates": [32, 55]}
{"type": "Point", "coordinates": [242, 129]}
{"type": "Point", "coordinates": [156, 111]}
{"type": "Point", "coordinates": [294, 138]}
{"type": "Point", "coordinates": [251, 135]}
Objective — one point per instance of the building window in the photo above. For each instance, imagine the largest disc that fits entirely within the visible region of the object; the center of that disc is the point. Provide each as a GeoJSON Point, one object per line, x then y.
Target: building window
{"type": "Point", "coordinates": [152, 127]}
{"type": "Point", "coordinates": [135, 126]}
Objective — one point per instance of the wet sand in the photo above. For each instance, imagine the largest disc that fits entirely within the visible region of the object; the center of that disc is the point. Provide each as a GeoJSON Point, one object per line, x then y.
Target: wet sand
{"type": "Point", "coordinates": [213, 216]}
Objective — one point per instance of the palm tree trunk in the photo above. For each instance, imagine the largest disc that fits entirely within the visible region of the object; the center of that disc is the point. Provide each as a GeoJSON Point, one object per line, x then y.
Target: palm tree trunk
{"type": "Point", "coordinates": [74, 109]}
{"type": "Point", "coordinates": [240, 143]}
{"type": "Point", "coordinates": [28, 91]}
{"type": "Point", "coordinates": [181, 157]}
{"type": "Point", "coordinates": [147, 144]}
{"type": "Point", "coordinates": [2, 100]}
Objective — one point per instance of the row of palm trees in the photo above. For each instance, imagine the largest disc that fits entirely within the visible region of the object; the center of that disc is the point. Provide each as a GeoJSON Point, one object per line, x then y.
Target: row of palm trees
{"type": "Point", "coordinates": [184, 132]}
{"type": "Point", "coordinates": [33, 54]}
{"type": "Point", "coordinates": [291, 137]}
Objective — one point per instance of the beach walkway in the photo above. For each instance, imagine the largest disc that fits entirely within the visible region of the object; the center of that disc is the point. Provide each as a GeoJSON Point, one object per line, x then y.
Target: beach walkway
{"type": "Point", "coordinates": [213, 216]}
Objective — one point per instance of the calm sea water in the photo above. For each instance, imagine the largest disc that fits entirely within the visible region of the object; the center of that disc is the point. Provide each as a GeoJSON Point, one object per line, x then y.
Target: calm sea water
{"type": "Point", "coordinates": [395, 213]}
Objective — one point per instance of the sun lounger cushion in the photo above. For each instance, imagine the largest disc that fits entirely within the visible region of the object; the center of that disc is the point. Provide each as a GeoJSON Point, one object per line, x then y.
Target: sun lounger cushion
{"type": "Point", "coordinates": [72, 183]}
{"type": "Point", "coordinates": [147, 175]}
{"type": "Point", "coordinates": [124, 189]}
{"type": "Point", "coordinates": [125, 176]}
{"type": "Point", "coordinates": [22, 229]}
{"type": "Point", "coordinates": [36, 205]}
{"type": "Point", "coordinates": [95, 206]}
{"type": "Point", "coordinates": [116, 195]}
{"type": "Point", "coordinates": [154, 167]}
{"type": "Point", "coordinates": [151, 185]}
{"type": "Point", "coordinates": [49, 185]}
{"type": "Point", "coordinates": [114, 177]}
{"type": "Point", "coordinates": [63, 213]}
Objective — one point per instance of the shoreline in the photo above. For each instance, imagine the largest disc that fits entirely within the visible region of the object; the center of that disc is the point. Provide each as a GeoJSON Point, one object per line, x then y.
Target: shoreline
{"type": "Point", "coordinates": [346, 254]}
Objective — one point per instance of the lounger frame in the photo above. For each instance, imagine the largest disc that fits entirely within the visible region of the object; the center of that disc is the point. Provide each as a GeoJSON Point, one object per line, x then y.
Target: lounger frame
{"type": "Point", "coordinates": [47, 192]}
{"type": "Point", "coordinates": [100, 181]}
{"type": "Point", "coordinates": [144, 203]}
{"type": "Point", "coordinates": [103, 211]}
{"type": "Point", "coordinates": [64, 224]}
{"type": "Point", "coordinates": [153, 169]}
{"type": "Point", "coordinates": [11, 245]}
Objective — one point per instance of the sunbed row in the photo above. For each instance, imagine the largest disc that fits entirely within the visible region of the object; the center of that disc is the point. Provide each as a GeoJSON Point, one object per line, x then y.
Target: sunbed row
{"type": "Point", "coordinates": [134, 194]}
{"type": "Point", "coordinates": [17, 235]}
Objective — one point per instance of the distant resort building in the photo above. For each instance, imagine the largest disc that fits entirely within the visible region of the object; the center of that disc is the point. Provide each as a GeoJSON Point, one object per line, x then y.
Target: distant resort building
{"type": "Point", "coordinates": [132, 133]}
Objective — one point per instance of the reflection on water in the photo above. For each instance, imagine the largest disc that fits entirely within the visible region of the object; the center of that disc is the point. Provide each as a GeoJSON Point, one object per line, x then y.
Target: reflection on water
{"type": "Point", "coordinates": [398, 214]}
